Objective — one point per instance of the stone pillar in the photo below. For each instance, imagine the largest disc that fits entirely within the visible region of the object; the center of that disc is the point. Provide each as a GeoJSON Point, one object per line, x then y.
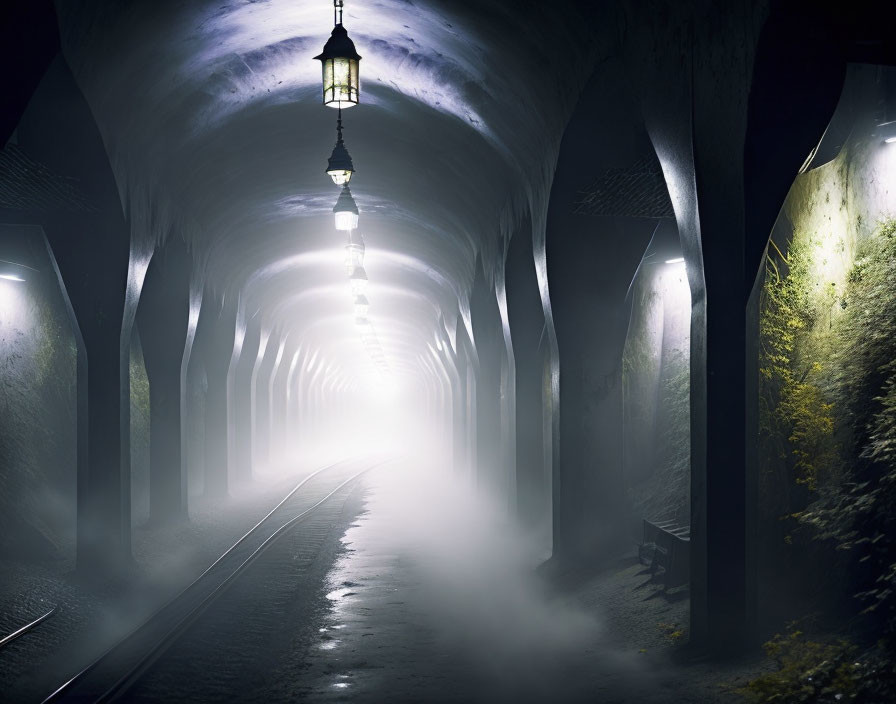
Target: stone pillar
{"type": "Point", "coordinates": [241, 402]}
{"type": "Point", "coordinates": [261, 375]}
{"type": "Point", "coordinates": [527, 327]}
{"type": "Point", "coordinates": [101, 273]}
{"type": "Point", "coordinates": [468, 366]}
{"type": "Point", "coordinates": [215, 342]}
{"type": "Point", "coordinates": [488, 340]}
{"type": "Point", "coordinates": [163, 319]}
{"type": "Point", "coordinates": [278, 398]}
{"type": "Point", "coordinates": [590, 264]}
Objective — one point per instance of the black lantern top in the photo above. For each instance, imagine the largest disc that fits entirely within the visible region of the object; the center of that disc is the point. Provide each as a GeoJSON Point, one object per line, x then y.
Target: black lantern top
{"type": "Point", "coordinates": [339, 66]}
{"type": "Point", "coordinates": [339, 46]}
{"type": "Point", "coordinates": [339, 165]}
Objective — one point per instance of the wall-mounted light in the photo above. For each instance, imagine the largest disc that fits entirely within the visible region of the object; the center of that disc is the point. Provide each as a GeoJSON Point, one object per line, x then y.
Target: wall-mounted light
{"type": "Point", "coordinates": [887, 132]}
{"type": "Point", "coordinates": [362, 306]}
{"type": "Point", "coordinates": [358, 281]}
{"type": "Point", "coordinates": [13, 271]}
{"type": "Point", "coordinates": [339, 165]}
{"type": "Point", "coordinates": [346, 211]}
{"type": "Point", "coordinates": [339, 65]}
{"type": "Point", "coordinates": [354, 252]}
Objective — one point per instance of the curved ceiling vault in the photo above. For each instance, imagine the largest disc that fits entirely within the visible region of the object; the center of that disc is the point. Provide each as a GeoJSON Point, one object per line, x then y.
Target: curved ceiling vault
{"type": "Point", "coordinates": [212, 112]}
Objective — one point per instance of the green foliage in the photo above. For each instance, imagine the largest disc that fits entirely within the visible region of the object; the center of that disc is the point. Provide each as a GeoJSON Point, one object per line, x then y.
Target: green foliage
{"type": "Point", "coordinates": [818, 672]}
{"type": "Point", "coordinates": [796, 422]}
{"type": "Point", "coordinates": [808, 671]}
{"type": "Point", "coordinates": [859, 513]}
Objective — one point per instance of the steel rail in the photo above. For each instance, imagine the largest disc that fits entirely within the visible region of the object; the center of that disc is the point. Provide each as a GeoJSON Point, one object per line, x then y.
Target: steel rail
{"type": "Point", "coordinates": [80, 675]}
{"type": "Point", "coordinates": [130, 678]}
{"type": "Point", "coordinates": [27, 627]}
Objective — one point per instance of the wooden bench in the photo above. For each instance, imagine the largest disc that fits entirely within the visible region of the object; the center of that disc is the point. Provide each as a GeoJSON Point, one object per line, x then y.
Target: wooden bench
{"type": "Point", "coordinates": [667, 544]}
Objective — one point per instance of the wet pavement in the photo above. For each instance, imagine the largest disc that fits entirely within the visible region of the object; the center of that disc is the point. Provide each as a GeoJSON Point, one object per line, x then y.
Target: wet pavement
{"type": "Point", "coordinates": [436, 598]}
{"type": "Point", "coordinates": [410, 586]}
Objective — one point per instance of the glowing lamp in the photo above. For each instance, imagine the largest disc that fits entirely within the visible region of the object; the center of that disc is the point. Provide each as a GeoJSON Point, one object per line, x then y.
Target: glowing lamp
{"type": "Point", "coordinates": [887, 132]}
{"type": "Point", "coordinates": [339, 165]}
{"type": "Point", "coordinates": [358, 281]}
{"type": "Point", "coordinates": [13, 271]}
{"type": "Point", "coordinates": [362, 307]}
{"type": "Point", "coordinates": [676, 260]}
{"type": "Point", "coordinates": [354, 252]}
{"type": "Point", "coordinates": [346, 211]}
{"type": "Point", "coordinates": [339, 64]}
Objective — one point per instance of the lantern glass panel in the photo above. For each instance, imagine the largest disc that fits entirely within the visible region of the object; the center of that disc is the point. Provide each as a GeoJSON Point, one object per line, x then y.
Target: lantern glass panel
{"type": "Point", "coordinates": [340, 176]}
{"type": "Point", "coordinates": [341, 84]}
{"type": "Point", "coordinates": [346, 220]}
{"type": "Point", "coordinates": [358, 286]}
{"type": "Point", "coordinates": [362, 307]}
{"type": "Point", "coordinates": [354, 255]}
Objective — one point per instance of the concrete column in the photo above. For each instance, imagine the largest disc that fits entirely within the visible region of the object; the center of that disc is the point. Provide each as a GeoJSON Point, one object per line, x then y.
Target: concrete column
{"type": "Point", "coordinates": [729, 150]}
{"type": "Point", "coordinates": [468, 365]}
{"type": "Point", "coordinates": [527, 326]}
{"type": "Point", "coordinates": [215, 342]}
{"type": "Point", "coordinates": [455, 411]}
{"type": "Point", "coordinates": [590, 264]}
{"type": "Point", "coordinates": [241, 402]}
{"type": "Point", "coordinates": [268, 345]}
{"type": "Point", "coordinates": [101, 274]}
{"type": "Point", "coordinates": [488, 338]}
{"type": "Point", "coordinates": [292, 402]}
{"type": "Point", "coordinates": [163, 319]}
{"type": "Point", "coordinates": [278, 398]}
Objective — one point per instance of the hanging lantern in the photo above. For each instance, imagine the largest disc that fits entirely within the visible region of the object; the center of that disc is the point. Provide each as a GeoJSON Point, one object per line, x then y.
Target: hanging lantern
{"type": "Point", "coordinates": [339, 63]}
{"type": "Point", "coordinates": [362, 307]}
{"type": "Point", "coordinates": [358, 281]}
{"type": "Point", "coordinates": [354, 252]}
{"type": "Point", "coordinates": [346, 211]}
{"type": "Point", "coordinates": [339, 165]}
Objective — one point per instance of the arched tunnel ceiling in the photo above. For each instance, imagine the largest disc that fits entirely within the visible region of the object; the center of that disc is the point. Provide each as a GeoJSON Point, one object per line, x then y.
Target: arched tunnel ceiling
{"type": "Point", "coordinates": [211, 112]}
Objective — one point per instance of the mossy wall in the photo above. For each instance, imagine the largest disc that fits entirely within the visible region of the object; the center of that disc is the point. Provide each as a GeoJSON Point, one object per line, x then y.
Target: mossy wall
{"type": "Point", "coordinates": [37, 410]}
{"type": "Point", "coordinates": [656, 389]}
{"type": "Point", "coordinates": [827, 333]}
{"type": "Point", "coordinates": [38, 413]}
{"type": "Point", "coordinates": [140, 434]}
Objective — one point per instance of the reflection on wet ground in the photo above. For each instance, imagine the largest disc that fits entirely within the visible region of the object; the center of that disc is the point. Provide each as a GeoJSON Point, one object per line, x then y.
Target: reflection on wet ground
{"type": "Point", "coordinates": [436, 599]}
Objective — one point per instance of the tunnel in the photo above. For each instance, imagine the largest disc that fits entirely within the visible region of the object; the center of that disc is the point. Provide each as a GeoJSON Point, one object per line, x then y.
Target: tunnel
{"type": "Point", "coordinates": [448, 351]}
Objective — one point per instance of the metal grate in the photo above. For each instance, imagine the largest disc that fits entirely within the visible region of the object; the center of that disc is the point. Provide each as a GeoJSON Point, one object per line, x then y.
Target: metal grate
{"type": "Point", "coordinates": [637, 191]}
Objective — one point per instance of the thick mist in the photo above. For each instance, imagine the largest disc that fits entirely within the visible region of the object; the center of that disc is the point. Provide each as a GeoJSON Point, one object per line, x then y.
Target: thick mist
{"type": "Point", "coordinates": [468, 577]}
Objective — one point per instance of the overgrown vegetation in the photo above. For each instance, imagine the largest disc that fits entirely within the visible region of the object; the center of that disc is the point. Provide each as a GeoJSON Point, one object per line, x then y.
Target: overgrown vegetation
{"type": "Point", "coordinates": [808, 671]}
{"type": "Point", "coordinates": [828, 442]}
{"type": "Point", "coordinates": [823, 672]}
{"type": "Point", "coordinates": [858, 514]}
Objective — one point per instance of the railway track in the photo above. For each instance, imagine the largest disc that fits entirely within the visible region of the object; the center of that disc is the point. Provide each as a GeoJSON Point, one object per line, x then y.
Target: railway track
{"type": "Point", "coordinates": [119, 668]}
{"type": "Point", "coordinates": [27, 627]}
